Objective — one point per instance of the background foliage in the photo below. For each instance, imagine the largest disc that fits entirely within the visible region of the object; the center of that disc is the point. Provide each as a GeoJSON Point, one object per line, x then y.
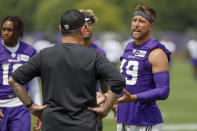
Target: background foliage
{"type": "Point", "coordinates": [114, 15]}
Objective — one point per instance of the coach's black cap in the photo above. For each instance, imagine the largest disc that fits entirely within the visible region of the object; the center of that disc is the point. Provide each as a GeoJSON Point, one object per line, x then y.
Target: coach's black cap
{"type": "Point", "coordinates": [72, 19]}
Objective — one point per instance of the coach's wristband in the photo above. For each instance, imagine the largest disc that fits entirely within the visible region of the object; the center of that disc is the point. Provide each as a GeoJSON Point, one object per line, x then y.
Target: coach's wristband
{"type": "Point", "coordinates": [30, 104]}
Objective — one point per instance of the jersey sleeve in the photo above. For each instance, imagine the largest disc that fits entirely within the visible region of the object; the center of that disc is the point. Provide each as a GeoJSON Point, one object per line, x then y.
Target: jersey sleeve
{"type": "Point", "coordinates": [29, 70]}
{"type": "Point", "coordinates": [161, 92]}
{"type": "Point", "coordinates": [107, 71]}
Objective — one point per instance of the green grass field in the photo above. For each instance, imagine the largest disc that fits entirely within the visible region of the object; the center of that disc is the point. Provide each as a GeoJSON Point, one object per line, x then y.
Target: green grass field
{"type": "Point", "coordinates": [180, 107]}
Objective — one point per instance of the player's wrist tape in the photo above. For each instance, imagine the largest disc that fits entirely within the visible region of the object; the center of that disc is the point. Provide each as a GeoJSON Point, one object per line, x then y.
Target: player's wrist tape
{"type": "Point", "coordinates": [30, 104]}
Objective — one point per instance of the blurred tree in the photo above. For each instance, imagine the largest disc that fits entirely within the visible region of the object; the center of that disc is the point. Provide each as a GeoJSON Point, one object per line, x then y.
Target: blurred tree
{"type": "Point", "coordinates": [21, 8]}
{"type": "Point", "coordinates": [113, 15]}
{"type": "Point", "coordinates": [109, 15]}
{"type": "Point", "coordinates": [48, 13]}
{"type": "Point", "coordinates": [176, 15]}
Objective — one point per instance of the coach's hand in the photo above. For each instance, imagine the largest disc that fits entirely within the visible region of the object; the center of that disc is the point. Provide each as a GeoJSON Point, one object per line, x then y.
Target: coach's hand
{"type": "Point", "coordinates": [38, 124]}
{"type": "Point", "coordinates": [99, 111]}
{"type": "Point", "coordinates": [100, 98]}
{"type": "Point", "coordinates": [103, 110]}
{"type": "Point", "coordinates": [37, 110]}
{"type": "Point", "coordinates": [114, 109]}
{"type": "Point", "coordinates": [1, 116]}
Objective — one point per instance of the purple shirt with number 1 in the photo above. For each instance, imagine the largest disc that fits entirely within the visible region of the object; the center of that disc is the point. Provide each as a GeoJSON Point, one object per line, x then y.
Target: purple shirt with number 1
{"type": "Point", "coordinates": [10, 62]}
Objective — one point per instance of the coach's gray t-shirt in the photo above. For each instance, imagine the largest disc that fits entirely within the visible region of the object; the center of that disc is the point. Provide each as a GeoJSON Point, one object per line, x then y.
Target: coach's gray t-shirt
{"type": "Point", "coordinates": [69, 73]}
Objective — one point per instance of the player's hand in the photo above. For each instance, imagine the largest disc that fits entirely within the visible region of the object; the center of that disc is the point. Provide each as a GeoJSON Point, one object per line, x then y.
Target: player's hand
{"type": "Point", "coordinates": [1, 116]}
{"type": "Point", "coordinates": [100, 98]}
{"type": "Point", "coordinates": [37, 110]}
{"type": "Point", "coordinates": [38, 124]}
{"type": "Point", "coordinates": [114, 109]}
{"type": "Point", "coordinates": [126, 98]}
{"type": "Point", "coordinates": [99, 111]}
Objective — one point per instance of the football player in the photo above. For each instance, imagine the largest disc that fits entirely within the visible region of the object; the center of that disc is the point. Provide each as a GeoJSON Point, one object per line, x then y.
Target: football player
{"type": "Point", "coordinates": [144, 64]}
{"type": "Point", "coordinates": [13, 53]}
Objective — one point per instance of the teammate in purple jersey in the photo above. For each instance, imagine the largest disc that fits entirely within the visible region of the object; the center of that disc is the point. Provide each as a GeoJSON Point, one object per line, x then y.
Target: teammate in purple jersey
{"type": "Point", "coordinates": [144, 64]}
{"type": "Point", "coordinates": [90, 19]}
{"type": "Point", "coordinates": [14, 116]}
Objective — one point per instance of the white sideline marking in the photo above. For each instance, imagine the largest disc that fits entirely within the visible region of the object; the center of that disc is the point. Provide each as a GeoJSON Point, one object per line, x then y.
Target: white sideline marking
{"type": "Point", "coordinates": [179, 127]}
{"type": "Point", "coordinates": [170, 127]}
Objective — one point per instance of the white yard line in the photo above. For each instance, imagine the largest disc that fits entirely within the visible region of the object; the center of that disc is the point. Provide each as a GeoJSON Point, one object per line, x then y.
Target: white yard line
{"type": "Point", "coordinates": [171, 127]}
{"type": "Point", "coordinates": [180, 127]}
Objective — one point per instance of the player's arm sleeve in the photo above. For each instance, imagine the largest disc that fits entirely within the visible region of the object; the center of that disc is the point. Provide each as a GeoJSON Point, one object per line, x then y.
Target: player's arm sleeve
{"type": "Point", "coordinates": [34, 91]}
{"type": "Point", "coordinates": [161, 92]}
{"type": "Point", "coordinates": [108, 72]}
{"type": "Point", "coordinates": [28, 71]}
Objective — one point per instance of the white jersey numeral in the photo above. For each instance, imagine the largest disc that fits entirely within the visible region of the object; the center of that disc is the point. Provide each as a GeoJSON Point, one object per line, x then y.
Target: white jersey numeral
{"type": "Point", "coordinates": [122, 64]}
{"type": "Point", "coordinates": [133, 72]}
{"type": "Point", "coordinates": [5, 68]}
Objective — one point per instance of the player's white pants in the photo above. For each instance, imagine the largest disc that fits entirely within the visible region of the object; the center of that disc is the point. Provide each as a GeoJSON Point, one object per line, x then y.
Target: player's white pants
{"type": "Point", "coordinates": [126, 127]}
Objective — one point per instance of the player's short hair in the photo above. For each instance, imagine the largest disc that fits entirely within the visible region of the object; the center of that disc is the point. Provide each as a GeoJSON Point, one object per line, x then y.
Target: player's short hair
{"type": "Point", "coordinates": [17, 21]}
{"type": "Point", "coordinates": [148, 10]}
{"type": "Point", "coordinates": [88, 13]}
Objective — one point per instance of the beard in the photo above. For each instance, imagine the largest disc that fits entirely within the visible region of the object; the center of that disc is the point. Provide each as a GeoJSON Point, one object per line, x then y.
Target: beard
{"type": "Point", "coordinates": [87, 37]}
{"type": "Point", "coordinates": [140, 36]}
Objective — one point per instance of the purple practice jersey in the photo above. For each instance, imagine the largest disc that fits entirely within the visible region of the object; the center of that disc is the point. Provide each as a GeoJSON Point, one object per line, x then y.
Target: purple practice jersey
{"type": "Point", "coordinates": [94, 46]}
{"type": "Point", "coordinates": [136, 69]}
{"type": "Point", "coordinates": [10, 62]}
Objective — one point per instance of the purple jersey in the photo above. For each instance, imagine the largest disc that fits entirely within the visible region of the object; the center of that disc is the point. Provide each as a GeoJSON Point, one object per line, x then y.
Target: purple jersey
{"type": "Point", "coordinates": [136, 69]}
{"type": "Point", "coordinates": [94, 46]}
{"type": "Point", "coordinates": [10, 62]}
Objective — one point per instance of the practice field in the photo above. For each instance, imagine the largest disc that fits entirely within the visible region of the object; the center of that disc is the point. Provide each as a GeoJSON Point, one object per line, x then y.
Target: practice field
{"type": "Point", "coordinates": [180, 109]}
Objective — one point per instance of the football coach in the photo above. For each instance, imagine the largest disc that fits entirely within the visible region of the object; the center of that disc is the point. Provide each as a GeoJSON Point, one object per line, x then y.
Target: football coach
{"type": "Point", "coordinates": [69, 72]}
